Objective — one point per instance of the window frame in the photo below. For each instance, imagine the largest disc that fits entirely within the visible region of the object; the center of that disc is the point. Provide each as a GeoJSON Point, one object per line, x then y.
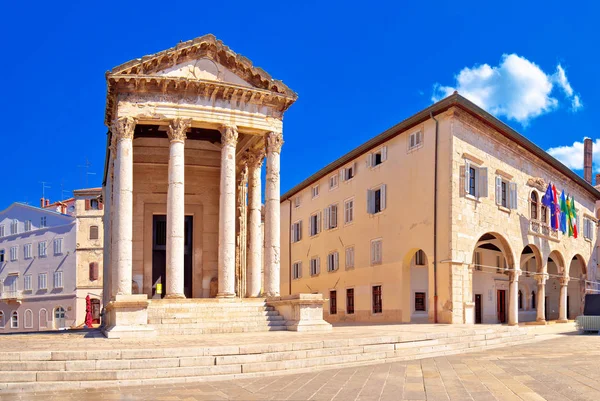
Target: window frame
{"type": "Point", "coordinates": [376, 304]}
{"type": "Point", "coordinates": [2, 231]}
{"type": "Point", "coordinates": [27, 252]}
{"type": "Point", "coordinates": [57, 279]}
{"type": "Point", "coordinates": [333, 261]}
{"type": "Point", "coordinates": [43, 278]}
{"type": "Point", "coordinates": [314, 266]}
{"type": "Point", "coordinates": [334, 181]}
{"type": "Point", "coordinates": [349, 211]}
{"type": "Point", "coordinates": [331, 220]}
{"type": "Point", "coordinates": [27, 226]}
{"type": "Point", "coordinates": [43, 222]}
{"type": "Point", "coordinates": [14, 253]}
{"type": "Point", "coordinates": [349, 250]}
{"type": "Point", "coordinates": [14, 320]}
{"type": "Point", "coordinates": [97, 237]}
{"type": "Point", "coordinates": [417, 294]}
{"type": "Point", "coordinates": [43, 245]}
{"type": "Point", "coordinates": [420, 258]}
{"type": "Point", "coordinates": [297, 270]}
{"type": "Point", "coordinates": [376, 251]}
{"type": "Point", "coordinates": [27, 283]}
{"type": "Point", "coordinates": [58, 246]}
{"type": "Point", "coordinates": [315, 191]}
{"type": "Point", "coordinates": [415, 140]}
{"type": "Point", "coordinates": [333, 305]}
{"type": "Point", "coordinates": [372, 208]}
{"type": "Point", "coordinates": [296, 233]}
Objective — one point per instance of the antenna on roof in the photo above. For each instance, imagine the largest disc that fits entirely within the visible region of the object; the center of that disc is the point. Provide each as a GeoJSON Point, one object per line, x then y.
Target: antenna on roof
{"type": "Point", "coordinates": [87, 170]}
{"type": "Point", "coordinates": [44, 186]}
{"type": "Point", "coordinates": [63, 190]}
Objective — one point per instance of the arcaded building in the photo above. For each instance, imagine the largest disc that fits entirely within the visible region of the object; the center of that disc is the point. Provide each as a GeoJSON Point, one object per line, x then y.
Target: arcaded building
{"type": "Point", "coordinates": [441, 219]}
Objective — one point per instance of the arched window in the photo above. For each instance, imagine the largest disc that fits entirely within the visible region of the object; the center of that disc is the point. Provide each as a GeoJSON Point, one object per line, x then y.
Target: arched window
{"type": "Point", "coordinates": [14, 320]}
{"type": "Point", "coordinates": [544, 216]}
{"type": "Point", "coordinates": [533, 300]}
{"type": "Point", "coordinates": [420, 258]}
{"type": "Point", "coordinates": [28, 319]}
{"type": "Point", "coordinates": [520, 300]}
{"type": "Point", "coordinates": [94, 232]}
{"type": "Point", "coordinates": [534, 205]}
{"type": "Point", "coordinates": [1, 319]}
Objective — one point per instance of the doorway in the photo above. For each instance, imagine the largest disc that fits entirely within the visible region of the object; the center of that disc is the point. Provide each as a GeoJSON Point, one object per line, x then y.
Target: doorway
{"type": "Point", "coordinates": [477, 308]}
{"type": "Point", "coordinates": [568, 308]}
{"type": "Point", "coordinates": [59, 318]}
{"type": "Point", "coordinates": [501, 305]}
{"type": "Point", "coordinates": [546, 308]}
{"type": "Point", "coordinates": [95, 303]}
{"type": "Point", "coordinates": [159, 256]}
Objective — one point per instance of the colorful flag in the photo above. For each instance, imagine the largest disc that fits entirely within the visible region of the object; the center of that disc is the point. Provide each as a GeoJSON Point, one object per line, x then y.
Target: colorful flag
{"type": "Point", "coordinates": [555, 210]}
{"type": "Point", "coordinates": [563, 213]}
{"type": "Point", "coordinates": [548, 198]}
{"type": "Point", "coordinates": [569, 216]}
{"type": "Point", "coordinates": [574, 217]}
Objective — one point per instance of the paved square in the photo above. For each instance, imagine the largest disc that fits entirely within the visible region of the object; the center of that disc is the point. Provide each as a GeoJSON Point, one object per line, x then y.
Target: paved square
{"type": "Point", "coordinates": [565, 367]}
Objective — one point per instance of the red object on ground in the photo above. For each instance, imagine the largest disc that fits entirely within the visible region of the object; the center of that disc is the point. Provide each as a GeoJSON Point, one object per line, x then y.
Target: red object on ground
{"type": "Point", "coordinates": [88, 312]}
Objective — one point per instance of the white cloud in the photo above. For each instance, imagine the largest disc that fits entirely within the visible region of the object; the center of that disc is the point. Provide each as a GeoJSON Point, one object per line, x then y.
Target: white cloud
{"type": "Point", "coordinates": [516, 88]}
{"type": "Point", "coordinates": [572, 156]}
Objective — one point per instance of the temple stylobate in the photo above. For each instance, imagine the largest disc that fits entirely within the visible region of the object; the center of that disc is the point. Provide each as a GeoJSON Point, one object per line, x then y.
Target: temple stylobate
{"type": "Point", "coordinates": [190, 128]}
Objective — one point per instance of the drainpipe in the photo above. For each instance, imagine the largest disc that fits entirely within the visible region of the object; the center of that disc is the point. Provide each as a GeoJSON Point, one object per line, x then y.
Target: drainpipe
{"type": "Point", "coordinates": [435, 190]}
{"type": "Point", "coordinates": [290, 246]}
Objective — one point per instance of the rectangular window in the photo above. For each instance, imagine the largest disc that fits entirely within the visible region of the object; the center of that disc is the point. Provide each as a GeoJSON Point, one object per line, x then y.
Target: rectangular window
{"type": "Point", "coordinates": [332, 261]}
{"type": "Point", "coordinates": [314, 224]}
{"type": "Point", "coordinates": [43, 281]}
{"type": "Point", "coordinates": [349, 211]}
{"type": "Point", "coordinates": [43, 222]}
{"type": "Point", "coordinates": [475, 180]}
{"type": "Point", "coordinates": [297, 202]}
{"type": "Point", "coordinates": [315, 266]}
{"type": "Point", "coordinates": [348, 173]}
{"type": "Point", "coordinates": [415, 140]}
{"type": "Point", "coordinates": [377, 302]}
{"type": "Point", "coordinates": [27, 225]}
{"type": "Point", "coordinates": [378, 157]}
{"type": "Point", "coordinates": [297, 270]}
{"type": "Point", "coordinates": [506, 193]}
{"type": "Point", "coordinates": [334, 181]}
{"type": "Point", "coordinates": [42, 249]}
{"type": "Point", "coordinates": [588, 228]}
{"type": "Point", "coordinates": [58, 279]}
{"type": "Point", "coordinates": [1, 257]}
{"type": "Point", "coordinates": [331, 216]}
{"type": "Point", "coordinates": [94, 204]}
{"type": "Point", "coordinates": [498, 264]}
{"type": "Point", "coordinates": [27, 251]}
{"type": "Point", "coordinates": [420, 302]}
{"type": "Point", "coordinates": [420, 258]}
{"type": "Point", "coordinates": [376, 251]}
{"type": "Point", "coordinates": [2, 231]}
{"type": "Point", "coordinates": [376, 199]}
{"type": "Point", "coordinates": [14, 227]}
{"type": "Point", "coordinates": [350, 301]}
{"type": "Point", "coordinates": [27, 282]}
{"type": "Point", "coordinates": [58, 246]}
{"type": "Point", "coordinates": [93, 232]}
{"type": "Point", "coordinates": [10, 283]}
{"type": "Point", "coordinates": [350, 257]}
{"type": "Point", "coordinates": [14, 251]}
{"type": "Point", "coordinates": [315, 191]}
{"type": "Point", "coordinates": [477, 260]}
{"type": "Point", "coordinates": [297, 231]}
{"type": "Point", "coordinates": [332, 302]}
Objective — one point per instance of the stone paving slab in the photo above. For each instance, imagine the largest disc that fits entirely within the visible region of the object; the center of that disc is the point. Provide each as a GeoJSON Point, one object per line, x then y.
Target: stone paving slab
{"type": "Point", "coordinates": [562, 367]}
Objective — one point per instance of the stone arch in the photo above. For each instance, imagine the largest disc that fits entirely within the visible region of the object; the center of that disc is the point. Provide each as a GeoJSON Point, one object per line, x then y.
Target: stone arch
{"type": "Point", "coordinates": [576, 287]}
{"type": "Point", "coordinates": [493, 259]}
{"type": "Point", "coordinates": [531, 264]}
{"type": "Point", "coordinates": [559, 261]}
{"type": "Point", "coordinates": [417, 297]}
{"type": "Point", "coordinates": [555, 268]}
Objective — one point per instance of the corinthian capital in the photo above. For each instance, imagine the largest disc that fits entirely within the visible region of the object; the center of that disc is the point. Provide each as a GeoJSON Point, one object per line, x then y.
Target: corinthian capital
{"type": "Point", "coordinates": [274, 142]}
{"type": "Point", "coordinates": [255, 158]}
{"type": "Point", "coordinates": [123, 127]}
{"type": "Point", "coordinates": [177, 129]}
{"type": "Point", "coordinates": [541, 278]}
{"type": "Point", "coordinates": [564, 280]}
{"type": "Point", "coordinates": [229, 135]}
{"type": "Point", "coordinates": [113, 146]}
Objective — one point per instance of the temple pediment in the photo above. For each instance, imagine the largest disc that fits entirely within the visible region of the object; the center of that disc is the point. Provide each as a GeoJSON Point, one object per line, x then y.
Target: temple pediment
{"type": "Point", "coordinates": [203, 69]}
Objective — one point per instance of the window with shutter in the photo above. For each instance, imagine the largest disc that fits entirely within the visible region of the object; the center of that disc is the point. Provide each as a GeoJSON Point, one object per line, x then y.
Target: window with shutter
{"type": "Point", "coordinates": [349, 211]}
{"type": "Point", "coordinates": [58, 279]}
{"type": "Point", "coordinates": [297, 201]}
{"type": "Point", "coordinates": [314, 224]}
{"type": "Point", "coordinates": [42, 251]}
{"type": "Point", "coordinates": [43, 281]}
{"type": "Point", "coordinates": [376, 252]}
{"type": "Point", "coordinates": [315, 191]}
{"type": "Point", "coordinates": [27, 225]}
{"type": "Point", "coordinates": [376, 199]}
{"type": "Point", "coordinates": [415, 140]}
{"type": "Point", "coordinates": [27, 282]}
{"type": "Point", "coordinates": [333, 181]}
{"type": "Point", "coordinates": [93, 271]}
{"type": "Point", "coordinates": [314, 266]}
{"type": "Point", "coordinates": [350, 301]}
{"type": "Point", "coordinates": [377, 299]}
{"type": "Point", "coordinates": [1, 231]}
{"type": "Point", "coordinates": [350, 257]}
{"type": "Point", "coordinates": [297, 270]}
{"type": "Point", "coordinates": [27, 251]}
{"type": "Point", "coordinates": [332, 302]}
{"type": "Point", "coordinates": [333, 216]}
{"type": "Point", "coordinates": [94, 232]}
{"type": "Point", "coordinates": [513, 195]}
{"type": "Point", "coordinates": [58, 246]}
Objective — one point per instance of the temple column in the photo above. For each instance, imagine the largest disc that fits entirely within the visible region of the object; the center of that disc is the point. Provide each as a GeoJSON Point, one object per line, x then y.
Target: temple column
{"type": "Point", "coordinates": [541, 297]}
{"type": "Point", "coordinates": [226, 260]}
{"type": "Point", "coordinates": [122, 233]}
{"type": "Point", "coordinates": [253, 275]}
{"type": "Point", "coordinates": [562, 304]}
{"type": "Point", "coordinates": [176, 208]}
{"type": "Point", "coordinates": [513, 298]}
{"type": "Point", "coordinates": [272, 215]}
{"type": "Point", "coordinates": [241, 229]}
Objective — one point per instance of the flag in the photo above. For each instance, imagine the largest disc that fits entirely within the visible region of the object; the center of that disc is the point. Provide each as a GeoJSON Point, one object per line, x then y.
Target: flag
{"type": "Point", "coordinates": [548, 198]}
{"type": "Point", "coordinates": [555, 210]}
{"type": "Point", "coordinates": [574, 217]}
{"type": "Point", "coordinates": [569, 216]}
{"type": "Point", "coordinates": [563, 213]}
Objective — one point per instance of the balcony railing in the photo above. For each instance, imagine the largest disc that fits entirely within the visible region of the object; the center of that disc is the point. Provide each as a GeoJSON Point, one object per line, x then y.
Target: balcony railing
{"type": "Point", "coordinates": [543, 229]}
{"type": "Point", "coordinates": [11, 296]}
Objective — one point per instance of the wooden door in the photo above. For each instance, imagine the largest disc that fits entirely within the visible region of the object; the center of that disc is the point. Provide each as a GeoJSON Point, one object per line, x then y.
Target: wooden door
{"type": "Point", "coordinates": [501, 305]}
{"type": "Point", "coordinates": [159, 255]}
{"type": "Point", "coordinates": [477, 308]}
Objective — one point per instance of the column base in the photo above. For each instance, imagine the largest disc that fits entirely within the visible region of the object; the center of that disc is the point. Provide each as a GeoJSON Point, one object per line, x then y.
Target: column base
{"type": "Point", "coordinates": [128, 317]}
{"type": "Point", "coordinates": [513, 324]}
{"type": "Point", "coordinates": [174, 296]}
{"type": "Point", "coordinates": [302, 312]}
{"type": "Point", "coordinates": [226, 295]}
{"type": "Point", "coordinates": [538, 323]}
{"type": "Point", "coordinates": [562, 321]}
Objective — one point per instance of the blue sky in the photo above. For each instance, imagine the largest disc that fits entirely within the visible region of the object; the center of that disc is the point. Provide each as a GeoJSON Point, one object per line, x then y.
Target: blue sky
{"type": "Point", "coordinates": [358, 69]}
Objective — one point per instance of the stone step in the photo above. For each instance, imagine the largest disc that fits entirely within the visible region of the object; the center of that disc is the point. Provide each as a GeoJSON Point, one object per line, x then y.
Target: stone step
{"type": "Point", "coordinates": [172, 307]}
{"type": "Point", "coordinates": [228, 316]}
{"type": "Point", "coordinates": [199, 319]}
{"type": "Point", "coordinates": [104, 373]}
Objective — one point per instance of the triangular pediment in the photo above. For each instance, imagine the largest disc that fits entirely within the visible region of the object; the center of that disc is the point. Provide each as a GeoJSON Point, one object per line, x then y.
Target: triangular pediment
{"type": "Point", "coordinates": [207, 59]}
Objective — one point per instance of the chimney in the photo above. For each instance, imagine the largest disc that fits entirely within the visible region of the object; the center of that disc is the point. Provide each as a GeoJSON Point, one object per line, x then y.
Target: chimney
{"type": "Point", "coordinates": [597, 179]}
{"type": "Point", "coordinates": [42, 202]}
{"type": "Point", "coordinates": [587, 159]}
{"type": "Point", "coordinates": [47, 202]}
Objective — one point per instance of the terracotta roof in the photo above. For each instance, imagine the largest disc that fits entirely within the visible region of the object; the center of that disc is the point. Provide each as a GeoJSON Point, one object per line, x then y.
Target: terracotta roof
{"type": "Point", "coordinates": [454, 100]}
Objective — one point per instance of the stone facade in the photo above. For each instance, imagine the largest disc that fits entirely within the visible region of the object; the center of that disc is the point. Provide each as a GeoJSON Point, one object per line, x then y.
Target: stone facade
{"type": "Point", "coordinates": [491, 250]}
